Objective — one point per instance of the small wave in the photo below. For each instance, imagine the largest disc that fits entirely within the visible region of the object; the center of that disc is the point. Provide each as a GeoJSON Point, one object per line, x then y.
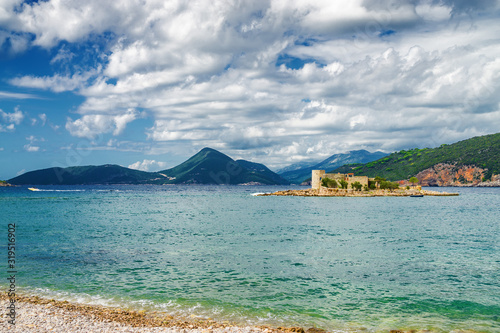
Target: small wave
{"type": "Point", "coordinates": [256, 194]}
{"type": "Point", "coordinates": [80, 298]}
{"type": "Point", "coordinates": [39, 190]}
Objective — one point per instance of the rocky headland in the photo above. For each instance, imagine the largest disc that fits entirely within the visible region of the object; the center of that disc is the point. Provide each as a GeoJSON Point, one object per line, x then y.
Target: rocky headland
{"type": "Point", "coordinates": [443, 174]}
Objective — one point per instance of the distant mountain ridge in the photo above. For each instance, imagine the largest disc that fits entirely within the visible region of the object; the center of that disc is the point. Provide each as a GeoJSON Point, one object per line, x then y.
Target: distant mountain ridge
{"type": "Point", "coordinates": [296, 166]}
{"type": "Point", "coordinates": [298, 176]}
{"type": "Point", "coordinates": [208, 166]}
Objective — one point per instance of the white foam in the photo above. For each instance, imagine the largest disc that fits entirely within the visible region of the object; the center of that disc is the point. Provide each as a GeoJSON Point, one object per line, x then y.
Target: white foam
{"type": "Point", "coordinates": [81, 298]}
{"type": "Point", "coordinates": [39, 190]}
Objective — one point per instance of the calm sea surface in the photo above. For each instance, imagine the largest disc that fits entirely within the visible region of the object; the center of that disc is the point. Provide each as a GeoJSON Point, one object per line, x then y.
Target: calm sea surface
{"type": "Point", "coordinates": [217, 251]}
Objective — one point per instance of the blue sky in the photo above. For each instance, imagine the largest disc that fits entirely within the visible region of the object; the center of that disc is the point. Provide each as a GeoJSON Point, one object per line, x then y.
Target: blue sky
{"type": "Point", "coordinates": [147, 84]}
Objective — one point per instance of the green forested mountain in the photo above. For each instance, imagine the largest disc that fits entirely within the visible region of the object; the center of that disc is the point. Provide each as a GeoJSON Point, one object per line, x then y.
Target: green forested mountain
{"type": "Point", "coordinates": [482, 151]}
{"type": "Point", "coordinates": [91, 174]}
{"type": "Point", "coordinates": [210, 166]}
{"type": "Point", "coordinates": [206, 167]}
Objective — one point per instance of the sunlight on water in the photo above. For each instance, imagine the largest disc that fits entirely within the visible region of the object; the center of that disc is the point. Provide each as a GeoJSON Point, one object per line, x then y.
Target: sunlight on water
{"type": "Point", "coordinates": [221, 252]}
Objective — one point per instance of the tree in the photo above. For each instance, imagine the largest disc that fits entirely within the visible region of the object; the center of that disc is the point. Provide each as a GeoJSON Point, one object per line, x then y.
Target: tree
{"type": "Point", "coordinates": [393, 186]}
{"type": "Point", "coordinates": [327, 182]}
{"type": "Point", "coordinates": [414, 180]}
{"type": "Point", "coordinates": [378, 181]}
{"type": "Point", "coordinates": [385, 185]}
{"type": "Point", "coordinates": [324, 182]}
{"type": "Point", "coordinates": [343, 184]}
{"type": "Point", "coordinates": [357, 186]}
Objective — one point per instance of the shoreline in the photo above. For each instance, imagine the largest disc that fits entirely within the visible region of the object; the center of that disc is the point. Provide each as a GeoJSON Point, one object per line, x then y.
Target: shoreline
{"type": "Point", "coordinates": [38, 314]}
{"type": "Point", "coordinates": [335, 192]}
{"type": "Point", "coordinates": [34, 313]}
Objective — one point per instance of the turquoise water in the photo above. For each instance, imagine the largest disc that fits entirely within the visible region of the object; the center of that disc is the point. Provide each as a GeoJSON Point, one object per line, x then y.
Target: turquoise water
{"type": "Point", "coordinates": [217, 251]}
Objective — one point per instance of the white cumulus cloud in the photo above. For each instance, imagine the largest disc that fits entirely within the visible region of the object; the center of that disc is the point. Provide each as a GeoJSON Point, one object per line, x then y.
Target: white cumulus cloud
{"type": "Point", "coordinates": [148, 165]}
{"type": "Point", "coordinates": [10, 120]}
{"type": "Point", "coordinates": [89, 126]}
{"type": "Point", "coordinates": [43, 118]}
{"type": "Point", "coordinates": [15, 117]}
{"type": "Point", "coordinates": [274, 79]}
{"type": "Point", "coordinates": [30, 148]}
{"type": "Point", "coordinates": [7, 128]}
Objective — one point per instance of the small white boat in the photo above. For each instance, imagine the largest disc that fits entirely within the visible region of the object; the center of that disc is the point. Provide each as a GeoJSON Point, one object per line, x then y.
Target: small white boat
{"type": "Point", "coordinates": [33, 189]}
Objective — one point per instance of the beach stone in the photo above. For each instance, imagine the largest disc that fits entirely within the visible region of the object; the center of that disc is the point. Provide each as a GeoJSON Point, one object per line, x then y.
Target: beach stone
{"type": "Point", "coordinates": [315, 330]}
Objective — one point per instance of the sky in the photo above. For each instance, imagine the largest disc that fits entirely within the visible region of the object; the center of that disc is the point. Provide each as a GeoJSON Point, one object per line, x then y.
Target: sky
{"type": "Point", "coordinates": [147, 83]}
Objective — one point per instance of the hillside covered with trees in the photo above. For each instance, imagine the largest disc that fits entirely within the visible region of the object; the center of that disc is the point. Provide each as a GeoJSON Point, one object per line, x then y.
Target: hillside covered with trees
{"type": "Point", "coordinates": [482, 152]}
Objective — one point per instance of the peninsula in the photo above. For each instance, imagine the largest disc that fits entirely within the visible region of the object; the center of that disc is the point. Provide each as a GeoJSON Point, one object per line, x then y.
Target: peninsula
{"type": "Point", "coordinates": [348, 185]}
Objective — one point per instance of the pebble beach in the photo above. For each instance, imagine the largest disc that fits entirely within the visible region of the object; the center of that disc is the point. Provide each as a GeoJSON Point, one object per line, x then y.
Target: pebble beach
{"type": "Point", "coordinates": [35, 314]}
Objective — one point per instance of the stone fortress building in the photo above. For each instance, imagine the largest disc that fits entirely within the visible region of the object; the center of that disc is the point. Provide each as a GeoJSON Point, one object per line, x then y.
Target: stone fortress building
{"type": "Point", "coordinates": [318, 175]}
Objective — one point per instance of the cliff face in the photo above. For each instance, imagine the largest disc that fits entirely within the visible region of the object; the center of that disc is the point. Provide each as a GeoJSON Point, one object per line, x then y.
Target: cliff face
{"type": "Point", "coordinates": [450, 175]}
{"type": "Point", "coordinates": [495, 182]}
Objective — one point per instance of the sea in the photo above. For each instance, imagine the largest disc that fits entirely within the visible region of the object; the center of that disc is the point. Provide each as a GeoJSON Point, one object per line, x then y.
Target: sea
{"type": "Point", "coordinates": [222, 252]}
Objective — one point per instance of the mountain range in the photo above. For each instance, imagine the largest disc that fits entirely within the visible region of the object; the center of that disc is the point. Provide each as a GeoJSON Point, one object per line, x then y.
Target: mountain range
{"type": "Point", "coordinates": [298, 173]}
{"type": "Point", "coordinates": [208, 166]}
{"type": "Point", "coordinates": [470, 162]}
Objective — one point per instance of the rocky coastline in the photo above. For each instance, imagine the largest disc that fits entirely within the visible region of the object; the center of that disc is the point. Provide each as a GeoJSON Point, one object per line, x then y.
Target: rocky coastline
{"type": "Point", "coordinates": [336, 192]}
{"type": "Point", "coordinates": [443, 174]}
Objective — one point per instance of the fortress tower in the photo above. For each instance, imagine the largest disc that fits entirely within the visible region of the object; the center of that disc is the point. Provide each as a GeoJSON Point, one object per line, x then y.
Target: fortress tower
{"type": "Point", "coordinates": [317, 176]}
